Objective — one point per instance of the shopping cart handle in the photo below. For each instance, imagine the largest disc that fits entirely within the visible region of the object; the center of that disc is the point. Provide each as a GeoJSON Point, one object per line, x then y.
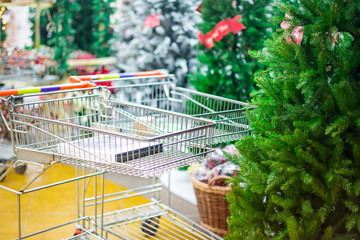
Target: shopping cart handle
{"type": "Point", "coordinates": [75, 79]}
{"type": "Point", "coordinates": [50, 88]}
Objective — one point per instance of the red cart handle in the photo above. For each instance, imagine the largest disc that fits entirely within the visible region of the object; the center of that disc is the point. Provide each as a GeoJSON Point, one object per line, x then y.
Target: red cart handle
{"type": "Point", "coordinates": [50, 88]}
{"type": "Point", "coordinates": [76, 79]}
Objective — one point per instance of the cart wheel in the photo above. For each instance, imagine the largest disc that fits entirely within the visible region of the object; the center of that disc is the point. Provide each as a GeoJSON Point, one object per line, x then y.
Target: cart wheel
{"type": "Point", "coordinates": [1, 173]}
{"type": "Point", "coordinates": [81, 236]}
{"type": "Point", "coordinates": [21, 168]}
{"type": "Point", "coordinates": [150, 226]}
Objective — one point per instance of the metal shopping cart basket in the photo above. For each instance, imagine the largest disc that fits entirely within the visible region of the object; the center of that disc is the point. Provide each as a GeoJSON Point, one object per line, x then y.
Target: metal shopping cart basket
{"type": "Point", "coordinates": [95, 131]}
{"type": "Point", "coordinates": [158, 89]}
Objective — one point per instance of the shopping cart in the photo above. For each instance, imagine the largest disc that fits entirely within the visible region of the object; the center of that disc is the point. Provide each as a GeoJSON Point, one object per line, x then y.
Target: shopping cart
{"type": "Point", "coordinates": [158, 89]}
{"type": "Point", "coordinates": [95, 131]}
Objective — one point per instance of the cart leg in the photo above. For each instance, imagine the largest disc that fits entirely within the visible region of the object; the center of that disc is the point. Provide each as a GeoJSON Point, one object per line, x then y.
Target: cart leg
{"type": "Point", "coordinates": [83, 196]}
{"type": "Point", "coordinates": [19, 216]}
{"type": "Point", "coordinates": [77, 192]}
{"type": "Point", "coordinates": [95, 205]}
{"type": "Point", "coordinates": [102, 204]}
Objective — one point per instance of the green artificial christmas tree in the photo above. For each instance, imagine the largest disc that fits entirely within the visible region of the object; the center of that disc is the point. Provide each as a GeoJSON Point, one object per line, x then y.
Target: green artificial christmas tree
{"type": "Point", "coordinates": [63, 38]}
{"type": "Point", "coordinates": [102, 33]}
{"type": "Point", "coordinates": [225, 67]}
{"type": "Point", "coordinates": [300, 171]}
{"type": "Point", "coordinates": [83, 25]}
{"type": "Point", "coordinates": [92, 25]}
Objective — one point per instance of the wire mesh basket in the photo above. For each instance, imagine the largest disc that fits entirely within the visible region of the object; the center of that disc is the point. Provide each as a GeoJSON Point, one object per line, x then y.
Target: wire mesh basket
{"type": "Point", "coordinates": [150, 219]}
{"type": "Point", "coordinates": [94, 131]}
{"type": "Point", "coordinates": [159, 90]}
{"type": "Point", "coordinates": [153, 220]}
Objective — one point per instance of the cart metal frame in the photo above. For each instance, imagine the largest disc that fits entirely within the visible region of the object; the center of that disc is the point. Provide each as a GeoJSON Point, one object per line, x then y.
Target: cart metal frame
{"type": "Point", "coordinates": [37, 137]}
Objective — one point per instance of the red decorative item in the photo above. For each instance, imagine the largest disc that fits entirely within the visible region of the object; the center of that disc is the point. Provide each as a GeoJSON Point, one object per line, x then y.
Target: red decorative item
{"type": "Point", "coordinates": [104, 70]}
{"type": "Point", "coordinates": [285, 24]}
{"type": "Point", "coordinates": [220, 30]}
{"type": "Point", "coordinates": [336, 36]}
{"type": "Point", "coordinates": [297, 33]}
{"type": "Point", "coordinates": [201, 37]}
{"type": "Point", "coordinates": [209, 43]}
{"type": "Point", "coordinates": [83, 70]}
{"type": "Point", "coordinates": [217, 164]}
{"type": "Point", "coordinates": [152, 21]}
{"type": "Point", "coordinates": [223, 27]}
{"type": "Point", "coordinates": [236, 25]}
{"type": "Point", "coordinates": [199, 8]}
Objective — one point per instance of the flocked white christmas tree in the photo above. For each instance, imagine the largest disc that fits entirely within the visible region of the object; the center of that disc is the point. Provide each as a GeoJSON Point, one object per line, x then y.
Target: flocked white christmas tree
{"type": "Point", "coordinates": [158, 34]}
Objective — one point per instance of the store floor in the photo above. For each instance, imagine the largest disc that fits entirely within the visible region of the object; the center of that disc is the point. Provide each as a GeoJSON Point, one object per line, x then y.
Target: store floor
{"type": "Point", "coordinates": [53, 206]}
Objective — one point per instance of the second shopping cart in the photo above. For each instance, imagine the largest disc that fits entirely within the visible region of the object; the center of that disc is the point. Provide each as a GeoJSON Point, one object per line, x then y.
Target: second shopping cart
{"type": "Point", "coordinates": [158, 89]}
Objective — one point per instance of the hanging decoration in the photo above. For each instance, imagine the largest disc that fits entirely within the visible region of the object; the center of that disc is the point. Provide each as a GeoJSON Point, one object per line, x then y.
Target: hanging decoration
{"type": "Point", "coordinates": [220, 30]}
{"type": "Point", "coordinates": [297, 33]}
{"type": "Point", "coordinates": [152, 21]}
{"type": "Point", "coordinates": [51, 25]}
{"type": "Point", "coordinates": [234, 4]}
{"type": "Point", "coordinates": [198, 9]}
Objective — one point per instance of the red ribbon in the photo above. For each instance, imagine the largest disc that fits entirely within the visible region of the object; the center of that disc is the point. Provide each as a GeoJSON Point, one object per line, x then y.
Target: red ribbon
{"type": "Point", "coordinates": [220, 30]}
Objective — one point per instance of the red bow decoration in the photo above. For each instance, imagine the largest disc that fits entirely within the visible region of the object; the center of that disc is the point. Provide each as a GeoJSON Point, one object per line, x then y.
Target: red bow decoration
{"type": "Point", "coordinates": [220, 30]}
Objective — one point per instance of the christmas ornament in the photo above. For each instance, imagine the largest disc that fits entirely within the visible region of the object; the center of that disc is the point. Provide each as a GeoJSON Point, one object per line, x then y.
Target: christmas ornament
{"type": "Point", "coordinates": [234, 4]}
{"type": "Point", "coordinates": [337, 36]}
{"type": "Point", "coordinates": [297, 33]}
{"type": "Point", "coordinates": [152, 21]}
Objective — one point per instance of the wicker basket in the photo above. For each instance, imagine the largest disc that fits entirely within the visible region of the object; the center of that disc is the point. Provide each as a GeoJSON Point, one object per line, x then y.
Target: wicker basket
{"type": "Point", "coordinates": [212, 204]}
